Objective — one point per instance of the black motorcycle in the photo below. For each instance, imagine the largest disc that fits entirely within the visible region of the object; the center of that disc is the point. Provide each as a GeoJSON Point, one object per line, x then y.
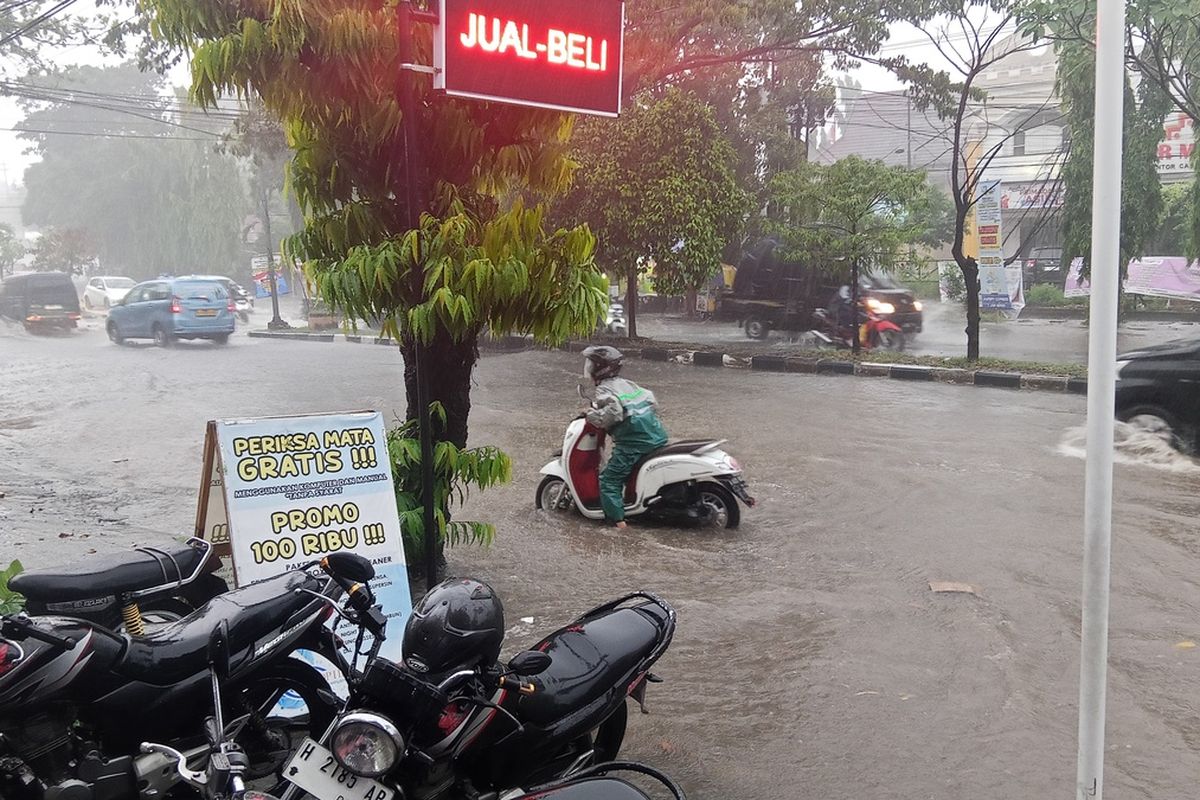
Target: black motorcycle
{"type": "Point", "coordinates": [450, 721]}
{"type": "Point", "coordinates": [77, 699]}
{"type": "Point", "coordinates": [125, 590]}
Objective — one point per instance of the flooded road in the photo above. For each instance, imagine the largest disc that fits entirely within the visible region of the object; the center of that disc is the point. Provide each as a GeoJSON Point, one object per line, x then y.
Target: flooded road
{"type": "Point", "coordinates": [1055, 341]}
{"type": "Point", "coordinates": [812, 659]}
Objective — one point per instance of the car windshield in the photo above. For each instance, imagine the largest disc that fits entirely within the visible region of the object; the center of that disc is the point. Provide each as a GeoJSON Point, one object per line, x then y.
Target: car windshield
{"type": "Point", "coordinates": [118, 283]}
{"type": "Point", "coordinates": [200, 290]}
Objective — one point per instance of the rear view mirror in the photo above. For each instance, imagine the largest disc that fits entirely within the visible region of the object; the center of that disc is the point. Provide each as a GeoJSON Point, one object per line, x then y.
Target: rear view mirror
{"type": "Point", "coordinates": [530, 662]}
{"type": "Point", "coordinates": [350, 566]}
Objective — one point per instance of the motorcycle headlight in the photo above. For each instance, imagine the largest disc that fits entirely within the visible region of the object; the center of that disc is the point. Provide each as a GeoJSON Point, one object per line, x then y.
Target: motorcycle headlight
{"type": "Point", "coordinates": [366, 744]}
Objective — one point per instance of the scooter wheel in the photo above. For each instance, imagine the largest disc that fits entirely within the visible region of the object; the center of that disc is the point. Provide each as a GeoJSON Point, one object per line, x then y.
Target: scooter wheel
{"type": "Point", "coordinates": [719, 506]}
{"type": "Point", "coordinates": [553, 494]}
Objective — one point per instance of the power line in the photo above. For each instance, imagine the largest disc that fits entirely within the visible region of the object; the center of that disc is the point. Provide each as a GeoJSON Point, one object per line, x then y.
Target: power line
{"type": "Point", "coordinates": [100, 135]}
{"type": "Point", "coordinates": [36, 21]}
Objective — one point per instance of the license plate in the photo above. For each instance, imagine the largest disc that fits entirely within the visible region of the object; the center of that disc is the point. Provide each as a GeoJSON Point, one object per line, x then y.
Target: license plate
{"type": "Point", "coordinates": [314, 770]}
{"type": "Point", "coordinates": [206, 312]}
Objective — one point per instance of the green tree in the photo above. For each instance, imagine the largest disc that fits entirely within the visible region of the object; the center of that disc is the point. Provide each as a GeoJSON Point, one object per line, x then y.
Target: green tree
{"type": "Point", "coordinates": [150, 199]}
{"type": "Point", "coordinates": [64, 250]}
{"type": "Point", "coordinates": [1141, 190]}
{"type": "Point", "coordinates": [12, 250]}
{"type": "Point", "coordinates": [658, 188]}
{"type": "Point", "coordinates": [852, 214]}
{"type": "Point", "coordinates": [331, 70]}
{"type": "Point", "coordinates": [1177, 234]}
{"type": "Point", "coordinates": [972, 36]}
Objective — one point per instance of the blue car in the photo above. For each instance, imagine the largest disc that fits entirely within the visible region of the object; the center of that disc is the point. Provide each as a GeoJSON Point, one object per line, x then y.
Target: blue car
{"type": "Point", "coordinates": [173, 308]}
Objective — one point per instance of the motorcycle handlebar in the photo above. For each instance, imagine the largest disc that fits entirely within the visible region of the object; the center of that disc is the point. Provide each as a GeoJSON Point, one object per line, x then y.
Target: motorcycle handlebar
{"type": "Point", "coordinates": [22, 626]}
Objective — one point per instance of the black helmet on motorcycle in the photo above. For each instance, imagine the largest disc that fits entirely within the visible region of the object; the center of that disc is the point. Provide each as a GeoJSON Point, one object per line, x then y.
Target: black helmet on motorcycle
{"type": "Point", "coordinates": [602, 361]}
{"type": "Point", "coordinates": [458, 625]}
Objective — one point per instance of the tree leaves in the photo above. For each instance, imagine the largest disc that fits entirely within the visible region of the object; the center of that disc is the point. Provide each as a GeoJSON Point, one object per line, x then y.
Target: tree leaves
{"type": "Point", "coordinates": [456, 472]}
{"type": "Point", "coordinates": [10, 601]}
{"type": "Point", "coordinates": [852, 211]}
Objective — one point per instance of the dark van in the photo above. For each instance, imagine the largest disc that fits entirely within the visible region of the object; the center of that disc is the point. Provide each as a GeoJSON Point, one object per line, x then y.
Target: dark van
{"type": "Point", "coordinates": [40, 301]}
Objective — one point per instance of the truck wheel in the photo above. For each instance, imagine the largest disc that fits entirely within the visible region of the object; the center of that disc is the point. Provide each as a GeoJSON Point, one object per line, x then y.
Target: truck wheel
{"type": "Point", "coordinates": [757, 328]}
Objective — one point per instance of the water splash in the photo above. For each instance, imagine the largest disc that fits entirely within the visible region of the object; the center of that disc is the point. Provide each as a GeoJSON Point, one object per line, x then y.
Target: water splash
{"type": "Point", "coordinates": [1132, 446]}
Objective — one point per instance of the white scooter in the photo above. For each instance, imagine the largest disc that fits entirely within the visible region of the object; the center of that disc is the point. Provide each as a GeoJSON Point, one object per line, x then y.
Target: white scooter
{"type": "Point", "coordinates": [690, 480]}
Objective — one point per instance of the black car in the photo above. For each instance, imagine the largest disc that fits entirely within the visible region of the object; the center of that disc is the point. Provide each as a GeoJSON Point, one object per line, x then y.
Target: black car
{"type": "Point", "coordinates": [1158, 390]}
{"type": "Point", "coordinates": [40, 301]}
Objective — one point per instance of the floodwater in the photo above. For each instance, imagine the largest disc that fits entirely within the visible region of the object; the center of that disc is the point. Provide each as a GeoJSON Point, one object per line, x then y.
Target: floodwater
{"type": "Point", "coordinates": [812, 659]}
{"type": "Point", "coordinates": [1056, 341]}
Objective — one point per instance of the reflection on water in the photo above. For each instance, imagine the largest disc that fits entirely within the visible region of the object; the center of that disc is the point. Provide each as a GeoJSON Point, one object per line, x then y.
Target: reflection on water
{"type": "Point", "coordinates": [1132, 446]}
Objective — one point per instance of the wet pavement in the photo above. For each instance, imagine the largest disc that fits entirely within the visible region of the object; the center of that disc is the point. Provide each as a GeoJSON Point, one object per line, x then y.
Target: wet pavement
{"type": "Point", "coordinates": [812, 659]}
{"type": "Point", "coordinates": [1058, 341]}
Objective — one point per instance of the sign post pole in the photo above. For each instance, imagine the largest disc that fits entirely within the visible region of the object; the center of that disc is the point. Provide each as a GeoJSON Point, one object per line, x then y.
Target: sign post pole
{"type": "Point", "coordinates": [413, 197]}
{"type": "Point", "coordinates": [1102, 365]}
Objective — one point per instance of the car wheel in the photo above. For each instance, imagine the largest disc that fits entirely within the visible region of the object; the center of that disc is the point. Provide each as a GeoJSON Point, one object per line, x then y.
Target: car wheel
{"type": "Point", "coordinates": [161, 337]}
{"type": "Point", "coordinates": [756, 328]}
{"type": "Point", "coordinates": [114, 334]}
{"type": "Point", "coordinates": [87, 303]}
{"type": "Point", "coordinates": [222, 339]}
{"type": "Point", "coordinates": [1154, 421]}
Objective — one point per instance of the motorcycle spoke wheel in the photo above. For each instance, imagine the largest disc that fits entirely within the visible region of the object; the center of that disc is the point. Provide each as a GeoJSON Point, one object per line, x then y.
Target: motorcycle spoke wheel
{"type": "Point", "coordinates": [268, 736]}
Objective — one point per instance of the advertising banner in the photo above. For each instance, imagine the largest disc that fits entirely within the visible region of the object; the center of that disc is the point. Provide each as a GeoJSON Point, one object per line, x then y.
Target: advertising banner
{"type": "Point", "coordinates": [564, 55]}
{"type": "Point", "coordinates": [1171, 277]}
{"type": "Point", "coordinates": [993, 277]}
{"type": "Point", "coordinates": [295, 489]}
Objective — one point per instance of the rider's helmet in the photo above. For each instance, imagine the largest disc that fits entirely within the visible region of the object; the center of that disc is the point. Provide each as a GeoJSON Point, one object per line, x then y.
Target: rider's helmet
{"type": "Point", "coordinates": [844, 293]}
{"type": "Point", "coordinates": [602, 361]}
{"type": "Point", "coordinates": [458, 625]}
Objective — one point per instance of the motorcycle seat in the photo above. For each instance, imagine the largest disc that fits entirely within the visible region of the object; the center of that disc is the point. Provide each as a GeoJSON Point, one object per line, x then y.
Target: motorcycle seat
{"type": "Point", "coordinates": [109, 574]}
{"type": "Point", "coordinates": [589, 658]}
{"type": "Point", "coordinates": [680, 447]}
{"type": "Point", "coordinates": [257, 615]}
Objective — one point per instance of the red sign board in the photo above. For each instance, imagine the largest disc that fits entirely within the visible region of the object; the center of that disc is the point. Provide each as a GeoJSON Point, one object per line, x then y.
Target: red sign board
{"type": "Point", "coordinates": [559, 54]}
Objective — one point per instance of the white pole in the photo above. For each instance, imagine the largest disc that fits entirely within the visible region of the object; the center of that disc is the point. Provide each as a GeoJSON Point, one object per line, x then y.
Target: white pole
{"type": "Point", "coordinates": [1102, 357]}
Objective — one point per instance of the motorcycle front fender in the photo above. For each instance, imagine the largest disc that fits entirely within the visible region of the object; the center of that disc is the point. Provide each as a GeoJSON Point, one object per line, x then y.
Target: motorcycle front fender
{"type": "Point", "coordinates": [887, 325]}
{"type": "Point", "coordinates": [554, 468]}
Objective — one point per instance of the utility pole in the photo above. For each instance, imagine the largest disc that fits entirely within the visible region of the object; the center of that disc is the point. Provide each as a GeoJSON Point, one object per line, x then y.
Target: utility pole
{"type": "Point", "coordinates": [1102, 374]}
{"type": "Point", "coordinates": [908, 128]}
{"type": "Point", "coordinates": [276, 321]}
{"type": "Point", "coordinates": [413, 197]}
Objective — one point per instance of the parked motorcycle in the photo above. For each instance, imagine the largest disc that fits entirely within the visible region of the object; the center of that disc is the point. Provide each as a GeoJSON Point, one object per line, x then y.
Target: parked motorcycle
{"type": "Point", "coordinates": [77, 699]}
{"type": "Point", "coordinates": [124, 591]}
{"type": "Point", "coordinates": [614, 320]}
{"type": "Point", "coordinates": [875, 332]}
{"type": "Point", "coordinates": [691, 480]}
{"type": "Point", "coordinates": [450, 721]}
{"type": "Point", "coordinates": [601, 783]}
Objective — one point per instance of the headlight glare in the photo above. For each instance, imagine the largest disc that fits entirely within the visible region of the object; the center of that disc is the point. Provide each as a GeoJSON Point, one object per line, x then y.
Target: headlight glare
{"type": "Point", "coordinates": [918, 305]}
{"type": "Point", "coordinates": [366, 744]}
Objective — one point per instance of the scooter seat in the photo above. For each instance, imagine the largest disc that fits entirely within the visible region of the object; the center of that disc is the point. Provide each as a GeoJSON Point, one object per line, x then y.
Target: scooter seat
{"type": "Point", "coordinates": [106, 575]}
{"type": "Point", "coordinates": [680, 447]}
{"type": "Point", "coordinates": [589, 658]}
{"type": "Point", "coordinates": [256, 615]}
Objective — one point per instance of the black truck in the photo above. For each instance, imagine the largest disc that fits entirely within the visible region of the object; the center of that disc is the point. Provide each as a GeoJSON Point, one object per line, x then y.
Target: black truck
{"type": "Point", "coordinates": [773, 293]}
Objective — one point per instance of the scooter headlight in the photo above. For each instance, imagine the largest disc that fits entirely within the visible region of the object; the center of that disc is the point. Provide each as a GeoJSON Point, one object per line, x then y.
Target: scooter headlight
{"type": "Point", "coordinates": [366, 744]}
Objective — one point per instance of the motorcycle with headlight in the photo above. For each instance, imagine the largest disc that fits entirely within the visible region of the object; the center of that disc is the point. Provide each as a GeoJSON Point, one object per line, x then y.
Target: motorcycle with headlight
{"type": "Point", "coordinates": [451, 721]}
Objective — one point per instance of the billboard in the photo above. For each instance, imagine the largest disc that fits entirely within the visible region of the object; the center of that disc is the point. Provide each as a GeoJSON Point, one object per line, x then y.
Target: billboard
{"type": "Point", "coordinates": [1153, 276]}
{"type": "Point", "coordinates": [564, 55]}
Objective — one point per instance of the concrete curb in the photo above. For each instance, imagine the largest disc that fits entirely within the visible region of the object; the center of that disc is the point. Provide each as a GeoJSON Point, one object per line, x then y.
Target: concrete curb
{"type": "Point", "coordinates": [763, 363]}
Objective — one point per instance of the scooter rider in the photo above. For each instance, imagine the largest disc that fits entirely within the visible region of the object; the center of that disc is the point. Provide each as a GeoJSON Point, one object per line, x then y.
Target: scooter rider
{"type": "Point", "coordinates": [628, 413]}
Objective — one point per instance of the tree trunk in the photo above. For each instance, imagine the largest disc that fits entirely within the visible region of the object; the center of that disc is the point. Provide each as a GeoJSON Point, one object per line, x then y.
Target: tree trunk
{"type": "Point", "coordinates": [449, 382]}
{"type": "Point", "coordinates": [970, 273]}
{"type": "Point", "coordinates": [689, 301]}
{"type": "Point", "coordinates": [631, 300]}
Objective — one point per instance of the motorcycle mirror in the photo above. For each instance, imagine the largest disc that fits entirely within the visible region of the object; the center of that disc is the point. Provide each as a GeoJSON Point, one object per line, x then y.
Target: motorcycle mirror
{"type": "Point", "coordinates": [530, 662]}
{"type": "Point", "coordinates": [350, 566]}
{"type": "Point", "coordinates": [218, 650]}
